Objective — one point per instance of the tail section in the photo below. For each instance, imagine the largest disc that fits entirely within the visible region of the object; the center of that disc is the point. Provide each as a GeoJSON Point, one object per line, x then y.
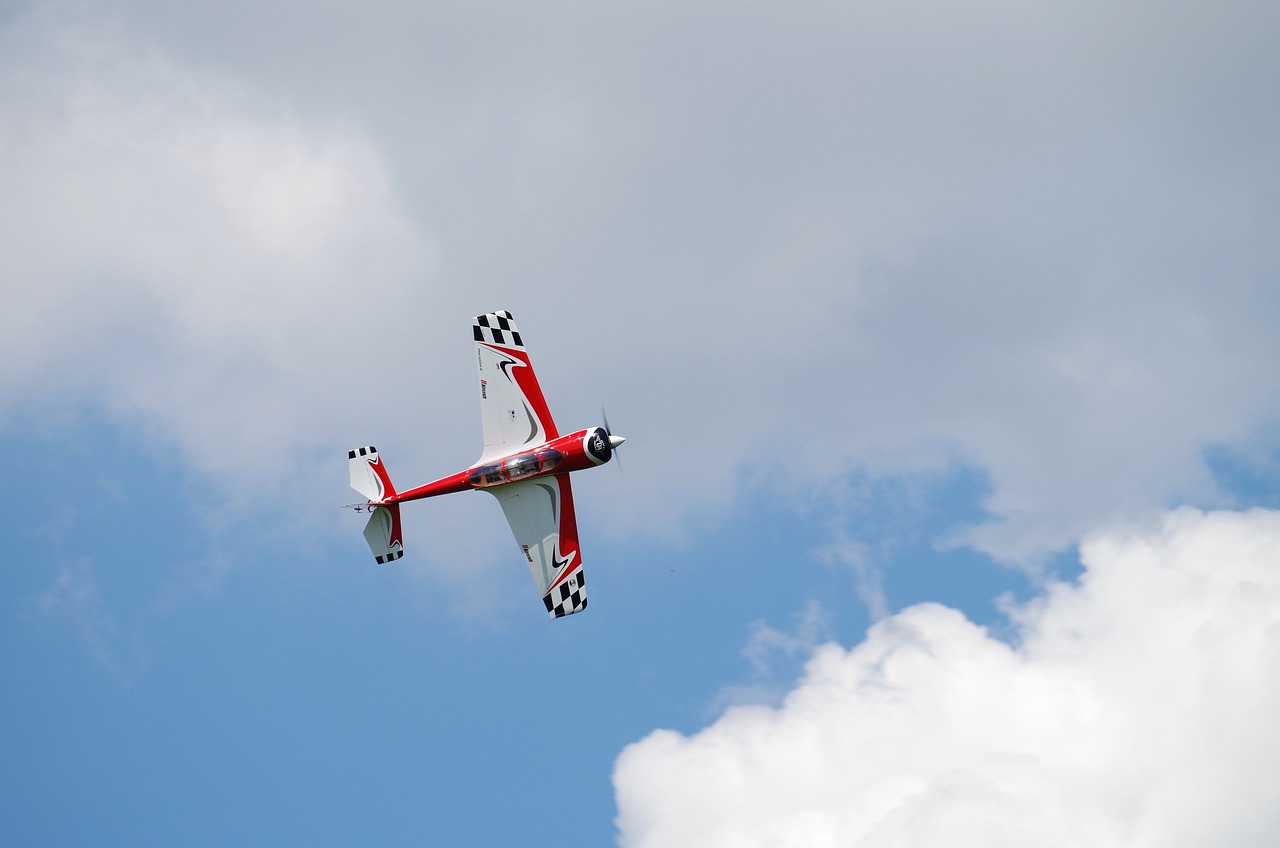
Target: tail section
{"type": "Point", "coordinates": [369, 477]}
{"type": "Point", "coordinates": [383, 533]}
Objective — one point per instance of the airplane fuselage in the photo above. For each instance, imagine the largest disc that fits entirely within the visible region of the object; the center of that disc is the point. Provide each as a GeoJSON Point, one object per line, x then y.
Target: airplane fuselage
{"type": "Point", "coordinates": [574, 452]}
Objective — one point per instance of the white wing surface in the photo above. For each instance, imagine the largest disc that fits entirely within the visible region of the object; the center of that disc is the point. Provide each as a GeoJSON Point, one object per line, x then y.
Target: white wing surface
{"type": "Point", "coordinates": [513, 413]}
{"type": "Point", "coordinates": [540, 512]}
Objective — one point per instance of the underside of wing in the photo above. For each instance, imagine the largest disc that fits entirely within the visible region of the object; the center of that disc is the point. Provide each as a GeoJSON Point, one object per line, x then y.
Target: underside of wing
{"type": "Point", "coordinates": [513, 412]}
{"type": "Point", "coordinates": [540, 512]}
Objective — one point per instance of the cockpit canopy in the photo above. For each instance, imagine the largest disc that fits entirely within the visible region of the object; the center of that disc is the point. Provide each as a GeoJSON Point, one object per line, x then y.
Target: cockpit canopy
{"type": "Point", "coordinates": [515, 467]}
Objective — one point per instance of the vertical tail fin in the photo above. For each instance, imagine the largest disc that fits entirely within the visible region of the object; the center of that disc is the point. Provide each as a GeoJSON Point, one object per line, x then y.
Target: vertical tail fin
{"type": "Point", "coordinates": [369, 476]}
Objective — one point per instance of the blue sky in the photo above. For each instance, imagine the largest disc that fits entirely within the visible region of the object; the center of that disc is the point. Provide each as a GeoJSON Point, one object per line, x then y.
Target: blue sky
{"type": "Point", "coordinates": [179, 681]}
{"type": "Point", "coordinates": [942, 336]}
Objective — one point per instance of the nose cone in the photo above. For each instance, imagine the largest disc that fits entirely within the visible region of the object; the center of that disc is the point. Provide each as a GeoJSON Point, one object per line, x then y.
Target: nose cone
{"type": "Point", "coordinates": [614, 441]}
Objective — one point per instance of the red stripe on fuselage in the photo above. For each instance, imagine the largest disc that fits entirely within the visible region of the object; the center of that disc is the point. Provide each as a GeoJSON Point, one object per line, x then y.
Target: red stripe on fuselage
{"type": "Point", "coordinates": [443, 486]}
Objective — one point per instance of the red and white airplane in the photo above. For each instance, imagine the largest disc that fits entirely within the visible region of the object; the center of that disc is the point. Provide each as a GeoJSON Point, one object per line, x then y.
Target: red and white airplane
{"type": "Point", "coordinates": [525, 464]}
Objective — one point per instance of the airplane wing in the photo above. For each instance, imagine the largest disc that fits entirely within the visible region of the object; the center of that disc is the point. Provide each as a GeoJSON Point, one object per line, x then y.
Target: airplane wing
{"type": "Point", "coordinates": [540, 512]}
{"type": "Point", "coordinates": [513, 413]}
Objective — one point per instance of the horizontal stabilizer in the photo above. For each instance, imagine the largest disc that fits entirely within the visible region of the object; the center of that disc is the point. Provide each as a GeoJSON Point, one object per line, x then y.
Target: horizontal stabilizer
{"type": "Point", "coordinates": [383, 533]}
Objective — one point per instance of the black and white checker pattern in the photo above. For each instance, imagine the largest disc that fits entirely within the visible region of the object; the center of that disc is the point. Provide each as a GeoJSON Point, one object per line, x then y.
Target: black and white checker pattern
{"type": "Point", "coordinates": [369, 451]}
{"type": "Point", "coordinates": [497, 328]}
{"type": "Point", "coordinates": [567, 598]}
{"type": "Point", "coordinates": [391, 557]}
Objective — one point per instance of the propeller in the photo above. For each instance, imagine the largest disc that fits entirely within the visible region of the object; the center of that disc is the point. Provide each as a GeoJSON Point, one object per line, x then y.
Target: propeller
{"type": "Point", "coordinates": [614, 441]}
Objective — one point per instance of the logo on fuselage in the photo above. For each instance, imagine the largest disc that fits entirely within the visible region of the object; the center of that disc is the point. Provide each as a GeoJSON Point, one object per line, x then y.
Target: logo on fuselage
{"type": "Point", "coordinates": [484, 389]}
{"type": "Point", "coordinates": [597, 446]}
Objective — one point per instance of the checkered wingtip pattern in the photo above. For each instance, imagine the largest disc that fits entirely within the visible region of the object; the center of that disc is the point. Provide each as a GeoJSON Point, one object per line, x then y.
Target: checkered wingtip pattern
{"type": "Point", "coordinates": [497, 328]}
{"type": "Point", "coordinates": [568, 597]}
{"type": "Point", "coordinates": [391, 557]}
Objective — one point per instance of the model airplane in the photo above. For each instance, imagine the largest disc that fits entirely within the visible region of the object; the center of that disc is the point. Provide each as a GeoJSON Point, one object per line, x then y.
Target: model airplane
{"type": "Point", "coordinates": [525, 464]}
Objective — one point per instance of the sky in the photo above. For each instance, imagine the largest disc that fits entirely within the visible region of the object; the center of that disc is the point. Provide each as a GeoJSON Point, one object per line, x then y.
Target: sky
{"type": "Point", "coordinates": [942, 335]}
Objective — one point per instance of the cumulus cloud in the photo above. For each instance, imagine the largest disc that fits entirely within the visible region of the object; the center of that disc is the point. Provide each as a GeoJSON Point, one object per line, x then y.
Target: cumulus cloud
{"type": "Point", "coordinates": [1136, 709]}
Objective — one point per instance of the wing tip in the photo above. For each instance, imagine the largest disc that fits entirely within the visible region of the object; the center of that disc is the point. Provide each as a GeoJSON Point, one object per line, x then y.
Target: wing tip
{"type": "Point", "coordinates": [565, 600]}
{"type": "Point", "coordinates": [560, 612]}
{"type": "Point", "coordinates": [498, 327]}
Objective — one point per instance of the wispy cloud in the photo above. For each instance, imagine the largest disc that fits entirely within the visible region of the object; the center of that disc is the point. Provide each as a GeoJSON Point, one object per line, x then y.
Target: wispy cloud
{"type": "Point", "coordinates": [774, 656]}
{"type": "Point", "coordinates": [74, 600]}
{"type": "Point", "coordinates": [869, 583]}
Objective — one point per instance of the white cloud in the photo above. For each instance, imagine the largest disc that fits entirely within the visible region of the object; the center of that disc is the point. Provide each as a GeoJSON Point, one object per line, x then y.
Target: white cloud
{"type": "Point", "coordinates": [1138, 709]}
{"type": "Point", "coordinates": [193, 259]}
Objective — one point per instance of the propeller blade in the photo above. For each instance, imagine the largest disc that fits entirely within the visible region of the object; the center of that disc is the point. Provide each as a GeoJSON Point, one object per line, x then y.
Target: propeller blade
{"type": "Point", "coordinates": [614, 441]}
